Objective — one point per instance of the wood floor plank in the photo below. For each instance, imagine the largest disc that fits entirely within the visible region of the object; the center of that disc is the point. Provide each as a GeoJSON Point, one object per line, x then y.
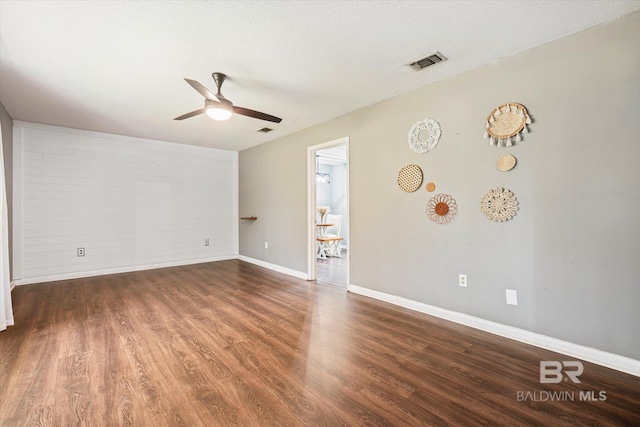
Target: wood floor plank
{"type": "Point", "coordinates": [232, 344]}
{"type": "Point", "coordinates": [182, 416]}
{"type": "Point", "coordinates": [37, 361]}
{"type": "Point", "coordinates": [15, 339]}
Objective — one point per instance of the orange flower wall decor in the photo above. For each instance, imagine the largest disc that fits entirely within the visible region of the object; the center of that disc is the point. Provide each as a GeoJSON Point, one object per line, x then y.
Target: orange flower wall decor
{"type": "Point", "coordinates": [441, 208]}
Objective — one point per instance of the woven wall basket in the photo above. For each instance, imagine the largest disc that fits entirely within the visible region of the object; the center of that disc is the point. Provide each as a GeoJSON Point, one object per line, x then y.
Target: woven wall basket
{"type": "Point", "coordinates": [499, 204]}
{"type": "Point", "coordinates": [410, 178]}
{"type": "Point", "coordinates": [506, 124]}
{"type": "Point", "coordinates": [506, 163]}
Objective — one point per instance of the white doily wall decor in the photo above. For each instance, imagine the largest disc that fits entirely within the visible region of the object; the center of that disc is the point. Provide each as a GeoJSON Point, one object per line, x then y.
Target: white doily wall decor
{"type": "Point", "coordinates": [505, 163]}
{"type": "Point", "coordinates": [429, 131]}
{"type": "Point", "coordinates": [441, 208]}
{"type": "Point", "coordinates": [410, 178]}
{"type": "Point", "coordinates": [506, 124]}
{"type": "Point", "coordinates": [499, 204]}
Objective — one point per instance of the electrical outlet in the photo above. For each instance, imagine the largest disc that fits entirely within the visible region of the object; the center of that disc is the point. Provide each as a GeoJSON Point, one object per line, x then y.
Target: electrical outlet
{"type": "Point", "coordinates": [266, 245]}
{"type": "Point", "coordinates": [206, 242]}
{"type": "Point", "coordinates": [80, 251]}
{"type": "Point", "coordinates": [462, 280]}
{"type": "Point", "coordinates": [512, 297]}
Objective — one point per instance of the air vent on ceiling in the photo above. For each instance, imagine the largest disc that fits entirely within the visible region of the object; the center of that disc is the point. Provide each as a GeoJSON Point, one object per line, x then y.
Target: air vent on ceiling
{"type": "Point", "coordinates": [429, 60]}
{"type": "Point", "coordinates": [265, 130]}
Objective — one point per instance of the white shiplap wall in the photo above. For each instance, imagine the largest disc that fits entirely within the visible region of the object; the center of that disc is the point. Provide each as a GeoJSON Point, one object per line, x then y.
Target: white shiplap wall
{"type": "Point", "coordinates": [131, 203]}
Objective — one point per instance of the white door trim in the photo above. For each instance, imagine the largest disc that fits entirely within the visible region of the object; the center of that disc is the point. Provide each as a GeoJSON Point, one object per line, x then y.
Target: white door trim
{"type": "Point", "coordinates": [311, 206]}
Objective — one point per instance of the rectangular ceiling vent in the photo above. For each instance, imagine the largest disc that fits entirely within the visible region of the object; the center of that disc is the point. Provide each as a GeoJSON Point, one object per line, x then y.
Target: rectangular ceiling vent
{"type": "Point", "coordinates": [265, 130]}
{"type": "Point", "coordinates": [429, 60]}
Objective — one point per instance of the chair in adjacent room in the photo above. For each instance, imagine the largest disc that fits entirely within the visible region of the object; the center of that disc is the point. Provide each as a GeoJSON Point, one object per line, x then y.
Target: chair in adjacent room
{"type": "Point", "coordinates": [332, 237]}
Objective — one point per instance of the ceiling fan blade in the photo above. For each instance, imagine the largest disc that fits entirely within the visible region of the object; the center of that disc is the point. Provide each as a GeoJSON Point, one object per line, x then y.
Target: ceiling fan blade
{"type": "Point", "coordinates": [203, 90]}
{"type": "Point", "coordinates": [256, 114]}
{"type": "Point", "coordinates": [191, 114]}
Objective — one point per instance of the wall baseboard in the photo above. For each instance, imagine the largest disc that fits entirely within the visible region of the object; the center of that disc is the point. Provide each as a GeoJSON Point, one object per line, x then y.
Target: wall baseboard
{"type": "Point", "coordinates": [127, 269]}
{"type": "Point", "coordinates": [275, 267]}
{"type": "Point", "coordinates": [599, 357]}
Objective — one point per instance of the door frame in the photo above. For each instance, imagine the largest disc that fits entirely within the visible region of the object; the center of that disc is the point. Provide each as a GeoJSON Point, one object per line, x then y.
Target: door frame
{"type": "Point", "coordinates": [311, 206]}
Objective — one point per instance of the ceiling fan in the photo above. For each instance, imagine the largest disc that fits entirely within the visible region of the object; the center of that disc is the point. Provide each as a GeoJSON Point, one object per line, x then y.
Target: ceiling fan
{"type": "Point", "coordinates": [220, 108]}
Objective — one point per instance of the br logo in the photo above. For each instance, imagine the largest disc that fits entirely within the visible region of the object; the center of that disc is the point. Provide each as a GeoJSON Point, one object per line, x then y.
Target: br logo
{"type": "Point", "coordinates": [552, 372]}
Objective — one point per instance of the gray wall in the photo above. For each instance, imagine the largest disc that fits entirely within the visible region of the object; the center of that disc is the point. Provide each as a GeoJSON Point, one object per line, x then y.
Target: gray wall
{"type": "Point", "coordinates": [7, 149]}
{"type": "Point", "coordinates": [571, 252]}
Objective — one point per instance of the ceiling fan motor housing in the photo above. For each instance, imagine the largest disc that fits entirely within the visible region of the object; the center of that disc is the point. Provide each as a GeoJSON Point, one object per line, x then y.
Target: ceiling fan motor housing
{"type": "Point", "coordinates": [219, 78]}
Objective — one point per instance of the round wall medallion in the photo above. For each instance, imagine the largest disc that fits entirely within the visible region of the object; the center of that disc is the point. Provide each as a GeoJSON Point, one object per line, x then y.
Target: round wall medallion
{"type": "Point", "coordinates": [424, 135]}
{"type": "Point", "coordinates": [499, 204]}
{"type": "Point", "coordinates": [430, 187]}
{"type": "Point", "coordinates": [410, 178]}
{"type": "Point", "coordinates": [506, 163]}
{"type": "Point", "coordinates": [441, 208]}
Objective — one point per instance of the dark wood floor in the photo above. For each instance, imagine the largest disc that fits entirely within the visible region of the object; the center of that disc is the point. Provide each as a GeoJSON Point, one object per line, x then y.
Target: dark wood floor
{"type": "Point", "coordinates": [229, 343]}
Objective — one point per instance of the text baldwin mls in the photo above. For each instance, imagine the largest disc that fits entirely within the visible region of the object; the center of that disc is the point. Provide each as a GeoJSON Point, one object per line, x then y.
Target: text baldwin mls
{"type": "Point", "coordinates": [561, 396]}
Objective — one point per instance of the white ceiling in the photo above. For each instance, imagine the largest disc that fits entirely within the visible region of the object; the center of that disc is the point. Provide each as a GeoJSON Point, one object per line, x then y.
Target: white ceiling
{"type": "Point", "coordinates": [118, 67]}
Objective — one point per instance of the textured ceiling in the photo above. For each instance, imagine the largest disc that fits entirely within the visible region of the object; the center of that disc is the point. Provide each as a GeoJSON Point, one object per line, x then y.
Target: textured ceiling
{"type": "Point", "coordinates": [118, 67]}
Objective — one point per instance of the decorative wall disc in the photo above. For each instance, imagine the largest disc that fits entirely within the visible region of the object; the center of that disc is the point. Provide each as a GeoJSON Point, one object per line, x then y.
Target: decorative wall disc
{"type": "Point", "coordinates": [506, 123]}
{"type": "Point", "coordinates": [505, 163]}
{"type": "Point", "coordinates": [441, 208]}
{"type": "Point", "coordinates": [410, 178]}
{"type": "Point", "coordinates": [499, 204]}
{"type": "Point", "coordinates": [430, 187]}
{"type": "Point", "coordinates": [429, 131]}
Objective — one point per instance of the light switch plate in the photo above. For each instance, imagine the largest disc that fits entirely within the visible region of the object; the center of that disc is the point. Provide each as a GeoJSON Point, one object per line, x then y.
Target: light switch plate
{"type": "Point", "coordinates": [512, 297]}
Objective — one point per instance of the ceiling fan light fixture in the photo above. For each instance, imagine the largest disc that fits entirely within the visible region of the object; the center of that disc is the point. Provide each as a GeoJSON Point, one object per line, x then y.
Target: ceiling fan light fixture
{"type": "Point", "coordinates": [218, 112]}
{"type": "Point", "coordinates": [220, 108]}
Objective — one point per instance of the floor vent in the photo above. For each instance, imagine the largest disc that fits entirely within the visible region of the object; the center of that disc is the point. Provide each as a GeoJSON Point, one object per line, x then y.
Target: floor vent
{"type": "Point", "coordinates": [427, 61]}
{"type": "Point", "coordinates": [265, 130]}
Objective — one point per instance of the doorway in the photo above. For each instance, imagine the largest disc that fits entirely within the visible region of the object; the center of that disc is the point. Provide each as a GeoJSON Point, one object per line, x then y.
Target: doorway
{"type": "Point", "coordinates": [328, 218]}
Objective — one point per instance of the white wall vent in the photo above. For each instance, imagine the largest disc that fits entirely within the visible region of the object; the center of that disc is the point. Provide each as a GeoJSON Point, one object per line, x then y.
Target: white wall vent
{"type": "Point", "coordinates": [427, 61]}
